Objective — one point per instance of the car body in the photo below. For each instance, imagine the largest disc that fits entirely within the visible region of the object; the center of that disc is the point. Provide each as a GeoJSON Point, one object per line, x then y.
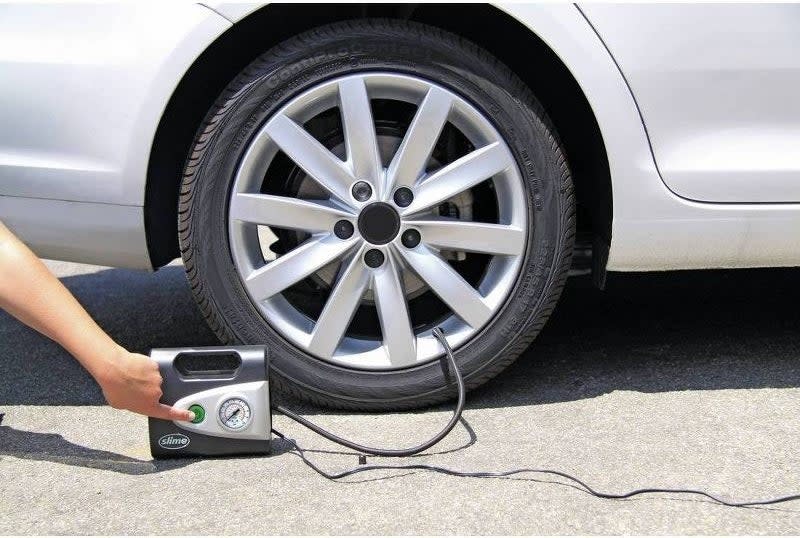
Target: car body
{"type": "Point", "coordinates": [680, 121]}
{"type": "Point", "coordinates": [701, 145]}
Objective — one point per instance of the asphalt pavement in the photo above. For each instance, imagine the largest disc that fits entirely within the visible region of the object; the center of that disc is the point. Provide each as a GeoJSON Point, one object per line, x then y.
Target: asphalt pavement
{"type": "Point", "coordinates": [687, 379]}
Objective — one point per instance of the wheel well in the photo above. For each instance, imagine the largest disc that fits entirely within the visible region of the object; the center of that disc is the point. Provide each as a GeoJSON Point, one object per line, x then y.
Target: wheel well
{"type": "Point", "coordinates": [485, 25]}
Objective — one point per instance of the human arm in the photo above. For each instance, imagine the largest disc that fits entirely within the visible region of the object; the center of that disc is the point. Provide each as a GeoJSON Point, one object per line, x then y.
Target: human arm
{"type": "Point", "coordinates": [30, 293]}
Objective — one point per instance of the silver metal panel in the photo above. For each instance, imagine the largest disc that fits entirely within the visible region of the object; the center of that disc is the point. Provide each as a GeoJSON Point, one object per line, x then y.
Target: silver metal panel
{"type": "Point", "coordinates": [653, 229]}
{"type": "Point", "coordinates": [717, 87]}
{"type": "Point", "coordinates": [101, 234]}
{"type": "Point", "coordinates": [255, 393]}
{"type": "Point", "coordinates": [82, 89]}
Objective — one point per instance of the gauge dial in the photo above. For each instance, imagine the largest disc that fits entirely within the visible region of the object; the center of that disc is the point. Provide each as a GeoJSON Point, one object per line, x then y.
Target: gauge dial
{"type": "Point", "coordinates": [234, 414]}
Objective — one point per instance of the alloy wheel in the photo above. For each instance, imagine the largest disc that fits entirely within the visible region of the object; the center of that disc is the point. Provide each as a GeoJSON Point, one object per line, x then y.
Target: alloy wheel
{"type": "Point", "coordinates": [341, 213]}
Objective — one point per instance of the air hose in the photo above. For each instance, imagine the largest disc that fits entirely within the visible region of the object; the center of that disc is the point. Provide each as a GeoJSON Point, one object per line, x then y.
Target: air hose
{"type": "Point", "coordinates": [401, 452]}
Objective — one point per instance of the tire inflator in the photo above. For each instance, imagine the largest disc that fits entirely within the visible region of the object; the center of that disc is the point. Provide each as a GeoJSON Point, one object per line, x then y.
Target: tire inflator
{"type": "Point", "coordinates": [227, 388]}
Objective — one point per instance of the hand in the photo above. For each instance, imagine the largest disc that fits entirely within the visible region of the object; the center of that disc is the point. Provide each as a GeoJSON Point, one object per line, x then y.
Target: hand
{"type": "Point", "coordinates": [132, 381]}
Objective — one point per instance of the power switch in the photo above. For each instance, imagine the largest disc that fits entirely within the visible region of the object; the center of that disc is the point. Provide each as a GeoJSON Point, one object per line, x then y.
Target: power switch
{"type": "Point", "coordinates": [199, 413]}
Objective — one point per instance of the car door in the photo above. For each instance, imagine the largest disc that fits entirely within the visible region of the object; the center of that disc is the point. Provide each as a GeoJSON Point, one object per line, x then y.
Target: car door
{"type": "Point", "coordinates": [717, 87]}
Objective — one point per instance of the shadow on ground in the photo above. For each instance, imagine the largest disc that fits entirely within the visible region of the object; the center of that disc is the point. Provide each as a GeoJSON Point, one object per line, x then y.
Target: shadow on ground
{"type": "Point", "coordinates": [647, 332]}
{"type": "Point", "coordinates": [54, 448]}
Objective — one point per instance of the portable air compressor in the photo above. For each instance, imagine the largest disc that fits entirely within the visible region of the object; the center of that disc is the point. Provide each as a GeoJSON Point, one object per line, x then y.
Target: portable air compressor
{"type": "Point", "coordinates": [227, 388]}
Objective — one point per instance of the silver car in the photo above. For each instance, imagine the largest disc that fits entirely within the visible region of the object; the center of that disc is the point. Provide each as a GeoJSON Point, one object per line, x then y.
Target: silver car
{"type": "Point", "coordinates": [341, 179]}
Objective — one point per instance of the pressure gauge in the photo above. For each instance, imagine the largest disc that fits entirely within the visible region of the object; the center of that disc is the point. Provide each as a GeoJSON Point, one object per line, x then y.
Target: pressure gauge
{"type": "Point", "coordinates": [234, 414]}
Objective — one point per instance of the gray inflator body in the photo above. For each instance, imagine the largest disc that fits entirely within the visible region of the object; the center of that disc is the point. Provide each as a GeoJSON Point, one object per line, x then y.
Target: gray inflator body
{"type": "Point", "coordinates": [210, 377]}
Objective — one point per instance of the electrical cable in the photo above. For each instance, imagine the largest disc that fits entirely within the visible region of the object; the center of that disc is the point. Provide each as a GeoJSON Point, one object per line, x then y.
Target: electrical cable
{"type": "Point", "coordinates": [403, 452]}
{"type": "Point", "coordinates": [583, 486]}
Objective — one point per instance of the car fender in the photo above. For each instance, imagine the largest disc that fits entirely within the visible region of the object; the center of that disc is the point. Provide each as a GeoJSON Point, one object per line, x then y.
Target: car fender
{"type": "Point", "coordinates": [89, 89]}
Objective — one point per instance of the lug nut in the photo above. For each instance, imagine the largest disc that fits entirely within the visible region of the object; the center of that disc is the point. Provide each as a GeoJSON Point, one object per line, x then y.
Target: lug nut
{"type": "Point", "coordinates": [403, 197]}
{"type": "Point", "coordinates": [410, 238]}
{"type": "Point", "coordinates": [362, 191]}
{"type": "Point", "coordinates": [343, 229]}
{"type": "Point", "coordinates": [374, 258]}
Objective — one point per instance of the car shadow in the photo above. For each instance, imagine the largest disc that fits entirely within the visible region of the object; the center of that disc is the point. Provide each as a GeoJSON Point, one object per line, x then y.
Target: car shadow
{"type": "Point", "coordinates": [651, 332]}
{"type": "Point", "coordinates": [660, 332]}
{"type": "Point", "coordinates": [654, 332]}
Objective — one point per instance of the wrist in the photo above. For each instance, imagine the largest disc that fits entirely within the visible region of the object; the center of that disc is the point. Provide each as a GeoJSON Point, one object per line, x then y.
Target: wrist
{"type": "Point", "coordinates": [105, 366]}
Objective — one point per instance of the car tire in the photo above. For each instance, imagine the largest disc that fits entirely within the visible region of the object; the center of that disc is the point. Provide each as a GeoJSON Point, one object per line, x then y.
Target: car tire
{"type": "Point", "coordinates": [424, 55]}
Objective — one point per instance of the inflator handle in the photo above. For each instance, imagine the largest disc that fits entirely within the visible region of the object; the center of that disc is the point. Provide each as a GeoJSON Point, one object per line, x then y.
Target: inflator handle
{"type": "Point", "coordinates": [223, 363]}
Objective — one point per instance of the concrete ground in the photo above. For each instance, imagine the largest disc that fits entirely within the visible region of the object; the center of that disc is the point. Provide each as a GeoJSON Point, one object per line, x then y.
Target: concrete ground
{"type": "Point", "coordinates": [685, 379]}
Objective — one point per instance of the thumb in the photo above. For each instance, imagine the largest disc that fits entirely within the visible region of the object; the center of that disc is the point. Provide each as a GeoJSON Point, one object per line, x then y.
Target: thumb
{"type": "Point", "coordinates": [167, 412]}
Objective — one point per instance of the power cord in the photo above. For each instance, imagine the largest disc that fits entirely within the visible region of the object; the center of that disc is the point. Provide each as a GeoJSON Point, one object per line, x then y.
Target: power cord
{"type": "Point", "coordinates": [583, 486]}
{"type": "Point", "coordinates": [404, 452]}
{"type": "Point", "coordinates": [300, 452]}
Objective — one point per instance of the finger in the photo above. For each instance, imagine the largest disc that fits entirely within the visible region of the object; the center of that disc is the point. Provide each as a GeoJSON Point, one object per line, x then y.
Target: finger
{"type": "Point", "coordinates": [167, 412]}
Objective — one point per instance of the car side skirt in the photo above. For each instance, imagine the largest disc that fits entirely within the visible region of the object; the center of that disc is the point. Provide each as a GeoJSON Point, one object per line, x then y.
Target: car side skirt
{"type": "Point", "coordinates": [101, 234]}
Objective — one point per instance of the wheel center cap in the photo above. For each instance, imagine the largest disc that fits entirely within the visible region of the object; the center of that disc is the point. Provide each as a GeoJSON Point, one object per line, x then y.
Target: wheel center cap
{"type": "Point", "coordinates": [378, 223]}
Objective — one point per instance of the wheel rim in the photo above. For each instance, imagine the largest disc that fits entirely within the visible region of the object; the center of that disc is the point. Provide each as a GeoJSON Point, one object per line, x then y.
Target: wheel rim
{"type": "Point", "coordinates": [414, 254]}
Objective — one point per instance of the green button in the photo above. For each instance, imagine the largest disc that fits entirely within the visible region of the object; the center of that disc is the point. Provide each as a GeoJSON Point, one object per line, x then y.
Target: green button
{"type": "Point", "coordinates": [199, 413]}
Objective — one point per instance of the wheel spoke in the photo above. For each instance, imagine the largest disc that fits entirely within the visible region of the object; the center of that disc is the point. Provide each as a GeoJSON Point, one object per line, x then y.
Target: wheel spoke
{"type": "Point", "coordinates": [290, 268]}
{"type": "Point", "coordinates": [460, 175]}
{"type": "Point", "coordinates": [340, 308]}
{"type": "Point", "coordinates": [314, 158]}
{"type": "Point", "coordinates": [450, 286]}
{"type": "Point", "coordinates": [359, 130]}
{"type": "Point", "coordinates": [408, 163]}
{"type": "Point", "coordinates": [469, 236]}
{"type": "Point", "coordinates": [285, 212]}
{"type": "Point", "coordinates": [398, 336]}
